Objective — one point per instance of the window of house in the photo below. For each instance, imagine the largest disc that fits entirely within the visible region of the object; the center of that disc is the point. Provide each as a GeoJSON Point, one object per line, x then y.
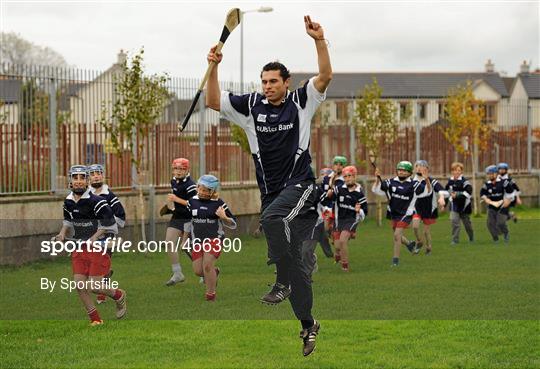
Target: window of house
{"type": "Point", "coordinates": [422, 110]}
{"type": "Point", "coordinates": [490, 113]}
{"type": "Point", "coordinates": [342, 111]}
{"type": "Point", "coordinates": [403, 110]}
{"type": "Point", "coordinates": [442, 112]}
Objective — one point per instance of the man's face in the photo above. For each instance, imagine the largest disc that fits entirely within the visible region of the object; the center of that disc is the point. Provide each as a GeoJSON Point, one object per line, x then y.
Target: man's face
{"type": "Point", "coordinates": [96, 177]}
{"type": "Point", "coordinates": [79, 181]}
{"type": "Point", "coordinates": [492, 176]}
{"type": "Point", "coordinates": [274, 88]}
{"type": "Point", "coordinates": [456, 172]}
{"type": "Point", "coordinates": [350, 179]}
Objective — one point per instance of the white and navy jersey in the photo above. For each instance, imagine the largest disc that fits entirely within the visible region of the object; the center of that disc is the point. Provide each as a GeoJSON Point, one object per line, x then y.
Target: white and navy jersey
{"type": "Point", "coordinates": [497, 190]}
{"type": "Point", "coordinates": [278, 136]}
{"type": "Point", "coordinates": [401, 196]}
{"type": "Point", "coordinates": [345, 204]}
{"type": "Point", "coordinates": [185, 189]}
{"type": "Point", "coordinates": [114, 203]}
{"type": "Point", "coordinates": [514, 187]}
{"type": "Point", "coordinates": [88, 215]}
{"type": "Point", "coordinates": [205, 222]}
{"type": "Point", "coordinates": [426, 207]}
{"type": "Point", "coordinates": [325, 186]}
{"type": "Point", "coordinates": [463, 190]}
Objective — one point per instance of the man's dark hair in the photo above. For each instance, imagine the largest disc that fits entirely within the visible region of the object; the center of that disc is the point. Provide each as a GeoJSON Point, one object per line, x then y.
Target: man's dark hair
{"type": "Point", "coordinates": [283, 71]}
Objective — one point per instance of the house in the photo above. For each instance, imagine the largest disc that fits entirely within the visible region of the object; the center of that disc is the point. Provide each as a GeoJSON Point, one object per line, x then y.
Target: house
{"type": "Point", "coordinates": [426, 91]}
{"type": "Point", "coordinates": [525, 90]}
{"type": "Point", "coordinates": [9, 100]}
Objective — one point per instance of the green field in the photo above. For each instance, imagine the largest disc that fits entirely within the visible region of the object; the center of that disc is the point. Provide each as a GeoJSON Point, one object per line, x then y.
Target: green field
{"type": "Point", "coordinates": [465, 306]}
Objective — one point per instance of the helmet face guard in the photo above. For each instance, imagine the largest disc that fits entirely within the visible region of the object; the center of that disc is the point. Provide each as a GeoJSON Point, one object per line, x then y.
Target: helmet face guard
{"type": "Point", "coordinates": [96, 181]}
{"type": "Point", "coordinates": [74, 172]}
{"type": "Point", "coordinates": [208, 182]}
{"type": "Point", "coordinates": [180, 167]}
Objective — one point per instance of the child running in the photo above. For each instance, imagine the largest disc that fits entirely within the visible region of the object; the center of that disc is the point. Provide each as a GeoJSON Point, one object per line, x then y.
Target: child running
{"type": "Point", "coordinates": [426, 208]}
{"type": "Point", "coordinates": [91, 221]}
{"type": "Point", "coordinates": [349, 210]}
{"type": "Point", "coordinates": [402, 193]}
{"type": "Point", "coordinates": [96, 173]}
{"type": "Point", "coordinates": [208, 216]}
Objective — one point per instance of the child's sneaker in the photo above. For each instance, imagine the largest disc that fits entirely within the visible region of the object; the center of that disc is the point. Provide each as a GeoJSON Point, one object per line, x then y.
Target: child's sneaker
{"type": "Point", "coordinates": [177, 277]}
{"type": "Point", "coordinates": [411, 246]}
{"type": "Point", "coordinates": [93, 323]}
{"type": "Point", "coordinates": [210, 296]}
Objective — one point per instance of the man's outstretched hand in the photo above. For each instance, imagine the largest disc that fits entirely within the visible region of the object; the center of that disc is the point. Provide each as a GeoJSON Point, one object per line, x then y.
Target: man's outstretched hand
{"type": "Point", "coordinates": [313, 29]}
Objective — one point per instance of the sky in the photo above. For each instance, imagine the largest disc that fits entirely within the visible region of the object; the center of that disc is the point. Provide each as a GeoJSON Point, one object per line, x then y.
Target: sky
{"type": "Point", "coordinates": [372, 36]}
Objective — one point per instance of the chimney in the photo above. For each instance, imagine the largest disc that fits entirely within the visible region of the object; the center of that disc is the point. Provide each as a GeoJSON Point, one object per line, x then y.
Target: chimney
{"type": "Point", "coordinates": [121, 58]}
{"type": "Point", "coordinates": [490, 67]}
{"type": "Point", "coordinates": [524, 68]}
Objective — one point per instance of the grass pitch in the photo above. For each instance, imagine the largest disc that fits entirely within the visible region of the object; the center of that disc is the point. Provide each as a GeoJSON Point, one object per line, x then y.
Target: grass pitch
{"type": "Point", "coordinates": [465, 306]}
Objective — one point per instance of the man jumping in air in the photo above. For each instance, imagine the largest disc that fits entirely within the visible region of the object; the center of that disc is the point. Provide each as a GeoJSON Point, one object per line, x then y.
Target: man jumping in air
{"type": "Point", "coordinates": [278, 125]}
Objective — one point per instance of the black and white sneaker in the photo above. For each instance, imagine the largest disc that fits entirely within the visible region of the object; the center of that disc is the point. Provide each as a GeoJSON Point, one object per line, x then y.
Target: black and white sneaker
{"type": "Point", "coordinates": [308, 336]}
{"type": "Point", "coordinates": [411, 246]}
{"type": "Point", "coordinates": [417, 248]}
{"type": "Point", "coordinates": [277, 294]}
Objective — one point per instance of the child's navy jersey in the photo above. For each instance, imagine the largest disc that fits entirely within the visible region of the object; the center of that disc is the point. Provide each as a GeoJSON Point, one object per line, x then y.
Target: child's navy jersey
{"type": "Point", "coordinates": [88, 215]}
{"type": "Point", "coordinates": [426, 207]}
{"type": "Point", "coordinates": [278, 136]}
{"type": "Point", "coordinates": [205, 222]}
{"type": "Point", "coordinates": [325, 186]}
{"type": "Point", "coordinates": [401, 196]}
{"type": "Point", "coordinates": [496, 191]}
{"type": "Point", "coordinates": [114, 203]}
{"type": "Point", "coordinates": [345, 204]}
{"type": "Point", "coordinates": [463, 190]}
{"type": "Point", "coordinates": [514, 187]}
{"type": "Point", "coordinates": [185, 189]}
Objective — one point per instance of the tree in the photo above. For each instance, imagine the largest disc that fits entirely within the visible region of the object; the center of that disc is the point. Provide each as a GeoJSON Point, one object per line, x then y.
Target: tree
{"type": "Point", "coordinates": [139, 102]}
{"type": "Point", "coordinates": [465, 126]}
{"type": "Point", "coordinates": [239, 136]}
{"type": "Point", "coordinates": [16, 50]}
{"type": "Point", "coordinates": [376, 124]}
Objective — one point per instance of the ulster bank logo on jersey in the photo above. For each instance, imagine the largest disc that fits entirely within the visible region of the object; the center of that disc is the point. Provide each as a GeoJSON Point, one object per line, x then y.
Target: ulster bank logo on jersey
{"type": "Point", "coordinates": [269, 129]}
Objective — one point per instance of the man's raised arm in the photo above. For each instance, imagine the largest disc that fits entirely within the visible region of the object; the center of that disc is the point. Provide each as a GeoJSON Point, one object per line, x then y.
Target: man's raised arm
{"type": "Point", "coordinates": [213, 93]}
{"type": "Point", "coordinates": [323, 58]}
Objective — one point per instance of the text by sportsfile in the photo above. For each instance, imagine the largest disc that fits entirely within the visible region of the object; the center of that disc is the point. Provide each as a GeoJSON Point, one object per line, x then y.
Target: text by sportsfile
{"type": "Point", "coordinates": [120, 245]}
